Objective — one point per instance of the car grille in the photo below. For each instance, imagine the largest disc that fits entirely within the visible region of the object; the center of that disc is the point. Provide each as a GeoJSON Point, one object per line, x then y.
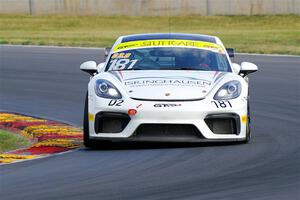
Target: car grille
{"type": "Point", "coordinates": [172, 131]}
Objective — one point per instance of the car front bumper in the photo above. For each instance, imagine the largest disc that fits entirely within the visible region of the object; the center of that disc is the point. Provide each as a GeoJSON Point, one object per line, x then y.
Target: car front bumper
{"type": "Point", "coordinates": [191, 118]}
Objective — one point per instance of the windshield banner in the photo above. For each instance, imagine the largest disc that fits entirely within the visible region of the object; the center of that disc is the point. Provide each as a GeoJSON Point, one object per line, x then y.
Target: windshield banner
{"type": "Point", "coordinates": [168, 43]}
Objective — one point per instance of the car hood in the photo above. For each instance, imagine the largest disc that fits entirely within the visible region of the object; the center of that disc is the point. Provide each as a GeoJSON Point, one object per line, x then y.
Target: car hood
{"type": "Point", "coordinates": [167, 85]}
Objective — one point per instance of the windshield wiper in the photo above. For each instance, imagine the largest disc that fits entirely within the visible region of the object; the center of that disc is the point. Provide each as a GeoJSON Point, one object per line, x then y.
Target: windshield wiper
{"type": "Point", "coordinates": [177, 68]}
{"type": "Point", "coordinates": [185, 68]}
{"type": "Point", "coordinates": [128, 69]}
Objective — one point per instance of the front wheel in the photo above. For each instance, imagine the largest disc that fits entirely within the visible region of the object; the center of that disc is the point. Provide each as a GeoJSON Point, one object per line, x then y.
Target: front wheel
{"type": "Point", "coordinates": [86, 136]}
{"type": "Point", "coordinates": [87, 141]}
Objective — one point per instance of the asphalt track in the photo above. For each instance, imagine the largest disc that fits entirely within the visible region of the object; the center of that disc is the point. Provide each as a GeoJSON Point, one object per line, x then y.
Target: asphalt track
{"type": "Point", "coordinates": [47, 82]}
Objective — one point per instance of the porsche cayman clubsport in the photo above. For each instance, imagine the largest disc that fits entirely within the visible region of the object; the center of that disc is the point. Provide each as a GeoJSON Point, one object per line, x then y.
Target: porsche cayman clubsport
{"type": "Point", "coordinates": [167, 87]}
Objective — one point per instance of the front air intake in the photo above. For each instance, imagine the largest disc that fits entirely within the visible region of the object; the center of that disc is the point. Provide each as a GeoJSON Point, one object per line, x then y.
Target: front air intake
{"type": "Point", "coordinates": [223, 123]}
{"type": "Point", "coordinates": [109, 122]}
{"type": "Point", "coordinates": [175, 131]}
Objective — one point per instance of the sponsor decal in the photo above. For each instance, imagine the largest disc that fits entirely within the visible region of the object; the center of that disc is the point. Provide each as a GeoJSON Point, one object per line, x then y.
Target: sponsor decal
{"type": "Point", "coordinates": [163, 105]}
{"type": "Point", "coordinates": [120, 55]}
{"type": "Point", "coordinates": [165, 81]}
{"type": "Point", "coordinates": [170, 42]}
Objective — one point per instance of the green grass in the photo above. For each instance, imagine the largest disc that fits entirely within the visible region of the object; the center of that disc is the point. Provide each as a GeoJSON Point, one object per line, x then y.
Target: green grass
{"type": "Point", "coordinates": [10, 141]}
{"type": "Point", "coordinates": [254, 34]}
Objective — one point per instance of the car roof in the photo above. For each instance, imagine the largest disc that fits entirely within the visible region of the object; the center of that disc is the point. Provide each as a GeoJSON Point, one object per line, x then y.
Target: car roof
{"type": "Point", "coordinates": [176, 36]}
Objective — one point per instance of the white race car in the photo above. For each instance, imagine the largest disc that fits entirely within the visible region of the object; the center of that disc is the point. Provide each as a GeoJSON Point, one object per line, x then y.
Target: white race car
{"type": "Point", "coordinates": [167, 87]}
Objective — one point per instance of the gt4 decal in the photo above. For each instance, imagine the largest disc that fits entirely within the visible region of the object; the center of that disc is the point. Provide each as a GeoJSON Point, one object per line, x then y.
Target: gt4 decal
{"type": "Point", "coordinates": [159, 105]}
{"type": "Point", "coordinates": [222, 104]}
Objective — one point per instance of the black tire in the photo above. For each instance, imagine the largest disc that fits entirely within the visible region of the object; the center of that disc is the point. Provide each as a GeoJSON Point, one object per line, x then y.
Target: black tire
{"type": "Point", "coordinates": [86, 136]}
{"type": "Point", "coordinates": [87, 141]}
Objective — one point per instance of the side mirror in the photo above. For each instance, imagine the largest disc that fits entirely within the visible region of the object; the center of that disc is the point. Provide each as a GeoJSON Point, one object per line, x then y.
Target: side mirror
{"type": "Point", "coordinates": [230, 52]}
{"type": "Point", "coordinates": [100, 67]}
{"type": "Point", "coordinates": [89, 67]}
{"type": "Point", "coordinates": [107, 51]}
{"type": "Point", "coordinates": [247, 68]}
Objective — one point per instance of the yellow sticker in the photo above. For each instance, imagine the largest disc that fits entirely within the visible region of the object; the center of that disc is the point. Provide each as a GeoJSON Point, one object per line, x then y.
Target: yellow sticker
{"type": "Point", "coordinates": [172, 42]}
{"type": "Point", "coordinates": [244, 118]}
{"type": "Point", "coordinates": [115, 55]}
{"type": "Point", "coordinates": [91, 117]}
{"type": "Point", "coordinates": [120, 55]}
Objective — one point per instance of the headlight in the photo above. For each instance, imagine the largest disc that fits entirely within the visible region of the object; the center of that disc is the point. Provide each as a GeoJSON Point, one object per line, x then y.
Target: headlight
{"type": "Point", "coordinates": [106, 89]}
{"type": "Point", "coordinates": [229, 90]}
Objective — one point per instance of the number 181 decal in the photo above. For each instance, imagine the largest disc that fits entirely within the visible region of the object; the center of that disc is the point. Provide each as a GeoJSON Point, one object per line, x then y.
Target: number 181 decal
{"type": "Point", "coordinates": [121, 64]}
{"type": "Point", "coordinates": [222, 104]}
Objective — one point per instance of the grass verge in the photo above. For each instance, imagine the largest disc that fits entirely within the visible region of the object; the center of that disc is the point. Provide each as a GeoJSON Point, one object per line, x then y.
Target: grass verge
{"type": "Point", "coordinates": [10, 141]}
{"type": "Point", "coordinates": [254, 34]}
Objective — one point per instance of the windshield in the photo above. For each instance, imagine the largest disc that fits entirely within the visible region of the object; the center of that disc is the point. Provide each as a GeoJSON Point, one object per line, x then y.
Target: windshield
{"type": "Point", "coordinates": [168, 58]}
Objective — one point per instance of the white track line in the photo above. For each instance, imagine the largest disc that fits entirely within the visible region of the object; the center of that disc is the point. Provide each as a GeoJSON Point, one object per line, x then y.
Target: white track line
{"type": "Point", "coordinates": [42, 157]}
{"type": "Point", "coordinates": [53, 47]}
